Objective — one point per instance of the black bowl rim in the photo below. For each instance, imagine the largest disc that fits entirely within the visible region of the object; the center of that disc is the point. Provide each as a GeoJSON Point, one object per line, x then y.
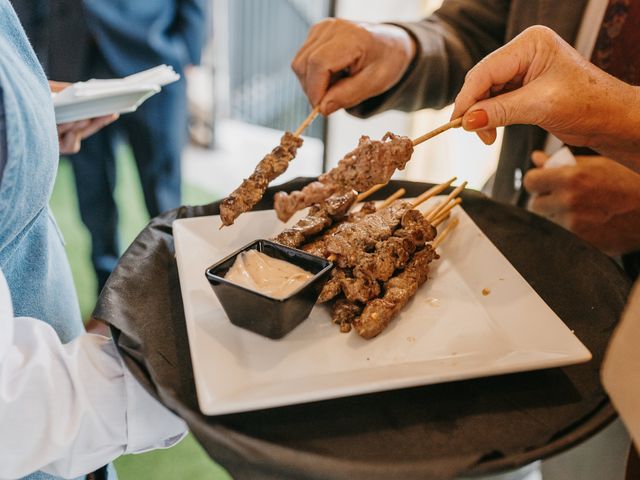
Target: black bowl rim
{"type": "Point", "coordinates": [212, 277]}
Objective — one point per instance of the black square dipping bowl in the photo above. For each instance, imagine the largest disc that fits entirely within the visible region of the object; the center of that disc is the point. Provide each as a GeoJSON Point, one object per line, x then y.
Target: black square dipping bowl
{"type": "Point", "coordinates": [268, 316]}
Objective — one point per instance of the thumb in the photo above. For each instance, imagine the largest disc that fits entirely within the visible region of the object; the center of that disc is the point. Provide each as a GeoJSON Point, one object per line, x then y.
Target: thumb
{"type": "Point", "coordinates": [506, 109]}
{"type": "Point", "coordinates": [539, 158]}
{"type": "Point", "coordinates": [347, 92]}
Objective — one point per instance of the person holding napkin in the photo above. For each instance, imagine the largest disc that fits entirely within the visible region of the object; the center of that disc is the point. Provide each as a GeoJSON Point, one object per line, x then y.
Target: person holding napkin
{"type": "Point", "coordinates": [68, 405]}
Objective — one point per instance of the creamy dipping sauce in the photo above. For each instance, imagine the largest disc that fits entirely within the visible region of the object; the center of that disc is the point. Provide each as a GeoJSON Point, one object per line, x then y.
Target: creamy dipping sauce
{"type": "Point", "coordinates": [267, 275]}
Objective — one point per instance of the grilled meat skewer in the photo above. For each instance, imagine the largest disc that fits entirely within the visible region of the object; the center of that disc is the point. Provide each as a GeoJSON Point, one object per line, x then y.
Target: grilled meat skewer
{"type": "Point", "coordinates": [371, 162]}
{"type": "Point", "coordinates": [319, 218]}
{"type": "Point", "coordinates": [249, 193]}
{"type": "Point", "coordinates": [379, 312]}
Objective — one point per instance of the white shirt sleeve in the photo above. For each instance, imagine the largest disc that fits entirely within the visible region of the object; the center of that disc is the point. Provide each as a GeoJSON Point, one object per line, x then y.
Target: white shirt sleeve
{"type": "Point", "coordinates": [70, 409]}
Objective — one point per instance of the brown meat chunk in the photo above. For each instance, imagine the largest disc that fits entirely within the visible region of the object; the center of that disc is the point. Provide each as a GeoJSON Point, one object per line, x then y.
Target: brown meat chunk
{"type": "Point", "coordinates": [250, 192]}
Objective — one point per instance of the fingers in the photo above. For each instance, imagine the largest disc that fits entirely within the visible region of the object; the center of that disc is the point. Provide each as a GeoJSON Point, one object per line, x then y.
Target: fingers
{"type": "Point", "coordinates": [332, 46]}
{"type": "Point", "coordinates": [518, 106]}
{"type": "Point", "coordinates": [97, 124]}
{"type": "Point", "coordinates": [503, 83]}
{"type": "Point", "coordinates": [350, 91]}
{"type": "Point", "coordinates": [58, 86]}
{"type": "Point", "coordinates": [63, 128]}
{"type": "Point", "coordinates": [70, 143]}
{"type": "Point", "coordinates": [499, 68]}
{"type": "Point", "coordinates": [70, 135]}
{"type": "Point", "coordinates": [549, 205]}
{"type": "Point", "coordinates": [326, 61]}
{"type": "Point", "coordinates": [539, 158]}
{"type": "Point", "coordinates": [488, 137]}
{"type": "Point", "coordinates": [542, 181]}
{"type": "Point", "coordinates": [332, 62]}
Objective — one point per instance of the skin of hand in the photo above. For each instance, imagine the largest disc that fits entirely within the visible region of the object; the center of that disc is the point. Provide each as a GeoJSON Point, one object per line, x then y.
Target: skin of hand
{"type": "Point", "coordinates": [343, 63]}
{"type": "Point", "coordinates": [539, 79]}
{"type": "Point", "coordinates": [70, 135]}
{"type": "Point", "coordinates": [598, 199]}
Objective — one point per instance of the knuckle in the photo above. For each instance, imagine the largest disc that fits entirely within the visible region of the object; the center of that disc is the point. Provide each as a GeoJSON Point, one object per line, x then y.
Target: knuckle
{"type": "Point", "coordinates": [501, 113]}
{"type": "Point", "coordinates": [571, 199]}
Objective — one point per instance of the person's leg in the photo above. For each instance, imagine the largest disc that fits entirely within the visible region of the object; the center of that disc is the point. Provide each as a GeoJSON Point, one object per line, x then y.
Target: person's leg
{"type": "Point", "coordinates": [95, 176]}
{"type": "Point", "coordinates": [157, 134]}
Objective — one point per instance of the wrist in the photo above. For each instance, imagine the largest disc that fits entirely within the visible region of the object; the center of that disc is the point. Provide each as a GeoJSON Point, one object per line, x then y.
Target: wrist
{"type": "Point", "coordinates": [620, 137]}
{"type": "Point", "coordinates": [400, 42]}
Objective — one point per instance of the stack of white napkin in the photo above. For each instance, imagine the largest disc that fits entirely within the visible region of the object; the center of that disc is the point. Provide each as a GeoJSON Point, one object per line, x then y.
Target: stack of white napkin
{"type": "Point", "coordinates": [96, 98]}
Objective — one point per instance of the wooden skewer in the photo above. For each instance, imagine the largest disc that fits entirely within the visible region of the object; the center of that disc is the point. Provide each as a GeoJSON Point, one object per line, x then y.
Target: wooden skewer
{"type": "Point", "coordinates": [441, 206]}
{"type": "Point", "coordinates": [433, 191]}
{"type": "Point", "coordinates": [442, 128]}
{"type": "Point", "coordinates": [440, 219]}
{"type": "Point", "coordinates": [392, 198]}
{"type": "Point", "coordinates": [307, 121]}
{"type": "Point", "coordinates": [445, 212]}
{"type": "Point", "coordinates": [440, 238]}
{"type": "Point", "coordinates": [370, 192]}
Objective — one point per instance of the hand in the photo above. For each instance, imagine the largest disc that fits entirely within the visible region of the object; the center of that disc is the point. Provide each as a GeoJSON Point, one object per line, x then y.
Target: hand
{"type": "Point", "coordinates": [539, 79]}
{"type": "Point", "coordinates": [598, 200]}
{"type": "Point", "coordinates": [373, 57]}
{"type": "Point", "coordinates": [71, 134]}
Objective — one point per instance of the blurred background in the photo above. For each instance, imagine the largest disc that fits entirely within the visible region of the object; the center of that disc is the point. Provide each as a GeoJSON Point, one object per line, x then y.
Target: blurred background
{"type": "Point", "coordinates": [240, 100]}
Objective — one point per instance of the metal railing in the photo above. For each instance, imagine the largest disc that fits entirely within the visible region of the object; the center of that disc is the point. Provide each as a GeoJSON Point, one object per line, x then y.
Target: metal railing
{"type": "Point", "coordinates": [263, 38]}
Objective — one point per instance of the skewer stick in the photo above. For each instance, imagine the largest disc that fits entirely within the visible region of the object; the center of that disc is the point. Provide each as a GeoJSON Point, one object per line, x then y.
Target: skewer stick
{"type": "Point", "coordinates": [440, 219]}
{"type": "Point", "coordinates": [370, 192]}
{"type": "Point", "coordinates": [392, 198]}
{"type": "Point", "coordinates": [442, 128]}
{"type": "Point", "coordinates": [307, 121]}
{"type": "Point", "coordinates": [441, 206]}
{"type": "Point", "coordinates": [440, 238]}
{"type": "Point", "coordinates": [445, 212]}
{"type": "Point", "coordinates": [433, 191]}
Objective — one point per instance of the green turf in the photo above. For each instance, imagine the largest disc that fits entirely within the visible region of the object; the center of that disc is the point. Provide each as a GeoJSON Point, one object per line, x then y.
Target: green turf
{"type": "Point", "coordinates": [186, 460]}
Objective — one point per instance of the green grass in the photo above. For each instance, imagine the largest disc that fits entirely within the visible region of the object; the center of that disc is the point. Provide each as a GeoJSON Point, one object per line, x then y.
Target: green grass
{"type": "Point", "coordinates": [186, 460]}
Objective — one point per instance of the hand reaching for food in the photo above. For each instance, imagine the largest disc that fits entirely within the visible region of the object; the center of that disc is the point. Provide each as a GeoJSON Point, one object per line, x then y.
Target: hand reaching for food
{"type": "Point", "coordinates": [527, 82]}
{"type": "Point", "coordinates": [597, 199]}
{"type": "Point", "coordinates": [343, 63]}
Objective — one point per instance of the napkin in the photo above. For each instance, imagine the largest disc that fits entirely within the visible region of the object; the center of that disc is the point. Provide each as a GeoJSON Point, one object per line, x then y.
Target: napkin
{"type": "Point", "coordinates": [95, 97]}
{"type": "Point", "coordinates": [562, 158]}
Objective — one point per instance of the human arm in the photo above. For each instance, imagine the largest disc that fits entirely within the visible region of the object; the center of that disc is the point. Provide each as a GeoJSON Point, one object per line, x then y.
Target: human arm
{"type": "Point", "coordinates": [597, 199]}
{"type": "Point", "coordinates": [405, 66]}
{"type": "Point", "coordinates": [69, 409]}
{"type": "Point", "coordinates": [539, 79]}
{"type": "Point", "coordinates": [71, 134]}
{"type": "Point", "coordinates": [191, 26]}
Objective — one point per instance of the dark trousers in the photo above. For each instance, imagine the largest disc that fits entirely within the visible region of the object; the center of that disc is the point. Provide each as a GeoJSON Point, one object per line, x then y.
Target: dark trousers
{"type": "Point", "coordinates": [156, 133]}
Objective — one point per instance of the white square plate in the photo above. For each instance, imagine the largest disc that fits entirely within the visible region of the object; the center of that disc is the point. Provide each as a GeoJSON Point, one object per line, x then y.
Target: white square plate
{"type": "Point", "coordinates": [449, 331]}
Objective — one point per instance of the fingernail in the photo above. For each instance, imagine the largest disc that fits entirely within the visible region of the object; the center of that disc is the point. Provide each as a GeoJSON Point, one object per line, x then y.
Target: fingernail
{"type": "Point", "coordinates": [475, 120]}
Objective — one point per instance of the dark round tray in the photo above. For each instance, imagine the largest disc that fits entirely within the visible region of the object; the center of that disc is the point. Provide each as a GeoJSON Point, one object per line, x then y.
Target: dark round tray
{"type": "Point", "coordinates": [439, 431]}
